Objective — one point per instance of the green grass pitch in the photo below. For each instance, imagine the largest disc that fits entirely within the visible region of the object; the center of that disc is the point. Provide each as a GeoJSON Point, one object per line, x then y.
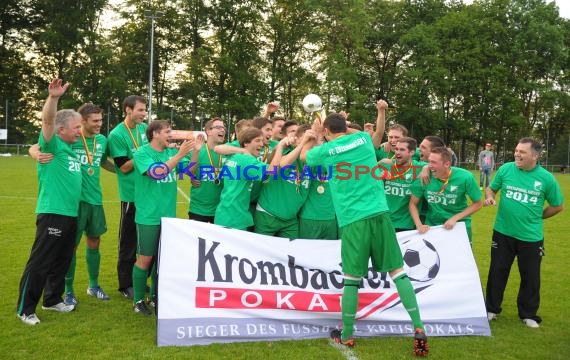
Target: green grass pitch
{"type": "Point", "coordinates": [105, 330]}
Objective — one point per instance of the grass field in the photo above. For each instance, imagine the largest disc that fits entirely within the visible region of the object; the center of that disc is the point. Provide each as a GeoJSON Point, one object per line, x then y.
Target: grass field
{"type": "Point", "coordinates": [103, 330]}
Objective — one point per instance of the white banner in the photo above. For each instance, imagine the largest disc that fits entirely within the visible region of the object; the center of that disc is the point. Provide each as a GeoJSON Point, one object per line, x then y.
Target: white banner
{"type": "Point", "coordinates": [224, 285]}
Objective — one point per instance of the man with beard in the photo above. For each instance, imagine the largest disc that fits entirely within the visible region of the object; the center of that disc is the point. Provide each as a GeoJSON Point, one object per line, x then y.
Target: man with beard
{"type": "Point", "coordinates": [402, 172]}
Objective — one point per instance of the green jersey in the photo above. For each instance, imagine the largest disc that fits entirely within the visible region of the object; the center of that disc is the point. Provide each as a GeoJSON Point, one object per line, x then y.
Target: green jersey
{"type": "Point", "coordinates": [381, 154]}
{"type": "Point", "coordinates": [91, 154]}
{"type": "Point", "coordinates": [283, 194]}
{"type": "Point", "coordinates": [523, 194]}
{"type": "Point", "coordinates": [233, 209]}
{"type": "Point", "coordinates": [59, 180]}
{"type": "Point", "coordinates": [355, 196]}
{"type": "Point", "coordinates": [448, 198]}
{"type": "Point", "coordinates": [153, 198]}
{"type": "Point", "coordinates": [319, 205]}
{"type": "Point", "coordinates": [205, 198]}
{"type": "Point", "coordinates": [264, 155]}
{"type": "Point", "coordinates": [398, 191]}
{"type": "Point", "coordinates": [124, 142]}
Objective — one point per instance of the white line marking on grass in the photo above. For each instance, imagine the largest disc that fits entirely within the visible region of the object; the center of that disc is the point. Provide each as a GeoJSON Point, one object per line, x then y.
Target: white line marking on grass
{"type": "Point", "coordinates": [18, 197]}
{"type": "Point", "coordinates": [346, 352]}
{"type": "Point", "coordinates": [105, 201]}
{"type": "Point", "coordinates": [183, 194]}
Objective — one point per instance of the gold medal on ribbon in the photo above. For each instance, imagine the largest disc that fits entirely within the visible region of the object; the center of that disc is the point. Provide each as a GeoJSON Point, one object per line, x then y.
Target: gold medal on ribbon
{"type": "Point", "coordinates": [321, 189]}
{"type": "Point", "coordinates": [216, 169]}
{"type": "Point", "coordinates": [90, 156]}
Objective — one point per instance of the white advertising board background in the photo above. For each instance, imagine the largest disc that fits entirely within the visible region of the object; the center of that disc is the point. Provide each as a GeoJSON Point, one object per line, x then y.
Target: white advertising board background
{"type": "Point", "coordinates": [222, 285]}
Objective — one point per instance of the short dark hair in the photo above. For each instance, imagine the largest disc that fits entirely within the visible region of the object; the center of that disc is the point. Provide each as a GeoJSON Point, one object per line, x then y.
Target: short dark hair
{"type": "Point", "coordinates": [260, 122]}
{"type": "Point", "coordinates": [301, 129]}
{"type": "Point", "coordinates": [441, 150]}
{"type": "Point", "coordinates": [156, 125]}
{"type": "Point", "coordinates": [89, 108]}
{"type": "Point", "coordinates": [411, 143]}
{"type": "Point", "coordinates": [354, 126]}
{"type": "Point", "coordinates": [131, 100]}
{"type": "Point", "coordinates": [208, 125]}
{"type": "Point", "coordinates": [534, 145]}
{"type": "Point", "coordinates": [247, 135]}
{"type": "Point", "coordinates": [240, 125]}
{"type": "Point", "coordinates": [400, 128]}
{"type": "Point", "coordinates": [335, 123]}
{"type": "Point", "coordinates": [287, 125]}
{"type": "Point", "coordinates": [435, 141]}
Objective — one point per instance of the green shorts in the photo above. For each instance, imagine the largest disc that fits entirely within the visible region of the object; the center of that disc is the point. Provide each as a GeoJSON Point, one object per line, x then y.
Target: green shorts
{"type": "Point", "coordinates": [371, 238]}
{"type": "Point", "coordinates": [147, 239]}
{"type": "Point", "coordinates": [318, 229]}
{"type": "Point", "coordinates": [268, 224]}
{"type": "Point", "coordinates": [90, 220]}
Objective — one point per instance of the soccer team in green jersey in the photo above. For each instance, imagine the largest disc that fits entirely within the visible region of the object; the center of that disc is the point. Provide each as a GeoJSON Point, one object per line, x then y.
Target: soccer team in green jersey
{"type": "Point", "coordinates": [282, 182]}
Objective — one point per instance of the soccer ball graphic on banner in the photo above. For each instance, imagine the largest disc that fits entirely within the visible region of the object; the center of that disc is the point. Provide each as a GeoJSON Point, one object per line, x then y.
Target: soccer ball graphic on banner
{"type": "Point", "coordinates": [421, 260]}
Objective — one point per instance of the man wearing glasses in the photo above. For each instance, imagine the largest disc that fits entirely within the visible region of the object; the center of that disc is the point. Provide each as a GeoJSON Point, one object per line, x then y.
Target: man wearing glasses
{"type": "Point", "coordinates": [205, 191]}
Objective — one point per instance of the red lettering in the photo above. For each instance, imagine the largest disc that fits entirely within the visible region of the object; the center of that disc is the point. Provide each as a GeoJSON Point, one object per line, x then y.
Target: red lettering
{"type": "Point", "coordinates": [360, 169]}
{"type": "Point", "coordinates": [232, 298]}
{"type": "Point", "coordinates": [339, 169]}
{"type": "Point", "coordinates": [383, 176]}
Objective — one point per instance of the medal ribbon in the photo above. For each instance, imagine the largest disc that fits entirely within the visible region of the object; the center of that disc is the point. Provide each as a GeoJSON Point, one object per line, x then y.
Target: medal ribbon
{"type": "Point", "coordinates": [89, 156]}
{"type": "Point", "coordinates": [266, 148]}
{"type": "Point", "coordinates": [212, 161]}
{"type": "Point", "coordinates": [131, 134]}
{"type": "Point", "coordinates": [400, 175]}
{"type": "Point", "coordinates": [445, 183]}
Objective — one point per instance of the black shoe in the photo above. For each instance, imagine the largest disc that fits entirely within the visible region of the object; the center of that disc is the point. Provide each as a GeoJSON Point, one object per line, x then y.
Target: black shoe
{"type": "Point", "coordinates": [336, 336]}
{"type": "Point", "coordinates": [421, 347]}
{"type": "Point", "coordinates": [140, 307]}
{"type": "Point", "coordinates": [127, 292]}
{"type": "Point", "coordinates": [154, 304]}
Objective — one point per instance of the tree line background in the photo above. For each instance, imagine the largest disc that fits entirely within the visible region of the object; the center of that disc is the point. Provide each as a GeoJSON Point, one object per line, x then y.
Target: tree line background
{"type": "Point", "coordinates": [492, 71]}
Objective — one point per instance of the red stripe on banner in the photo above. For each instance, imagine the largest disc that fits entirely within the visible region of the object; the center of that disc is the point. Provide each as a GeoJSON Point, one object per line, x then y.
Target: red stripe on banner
{"type": "Point", "coordinates": [384, 303]}
{"type": "Point", "coordinates": [235, 298]}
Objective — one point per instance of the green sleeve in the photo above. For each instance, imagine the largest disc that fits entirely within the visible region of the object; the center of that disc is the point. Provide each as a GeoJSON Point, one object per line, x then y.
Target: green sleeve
{"type": "Point", "coordinates": [117, 146]}
{"type": "Point", "coordinates": [417, 189]}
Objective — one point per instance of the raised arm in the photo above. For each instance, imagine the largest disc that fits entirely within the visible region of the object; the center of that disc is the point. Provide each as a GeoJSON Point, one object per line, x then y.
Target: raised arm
{"type": "Point", "coordinates": [278, 151]}
{"type": "Point", "coordinates": [228, 150]}
{"type": "Point", "coordinates": [56, 90]}
{"type": "Point", "coordinates": [270, 109]}
{"type": "Point", "coordinates": [293, 155]}
{"type": "Point", "coordinates": [381, 105]}
{"type": "Point", "coordinates": [198, 143]}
